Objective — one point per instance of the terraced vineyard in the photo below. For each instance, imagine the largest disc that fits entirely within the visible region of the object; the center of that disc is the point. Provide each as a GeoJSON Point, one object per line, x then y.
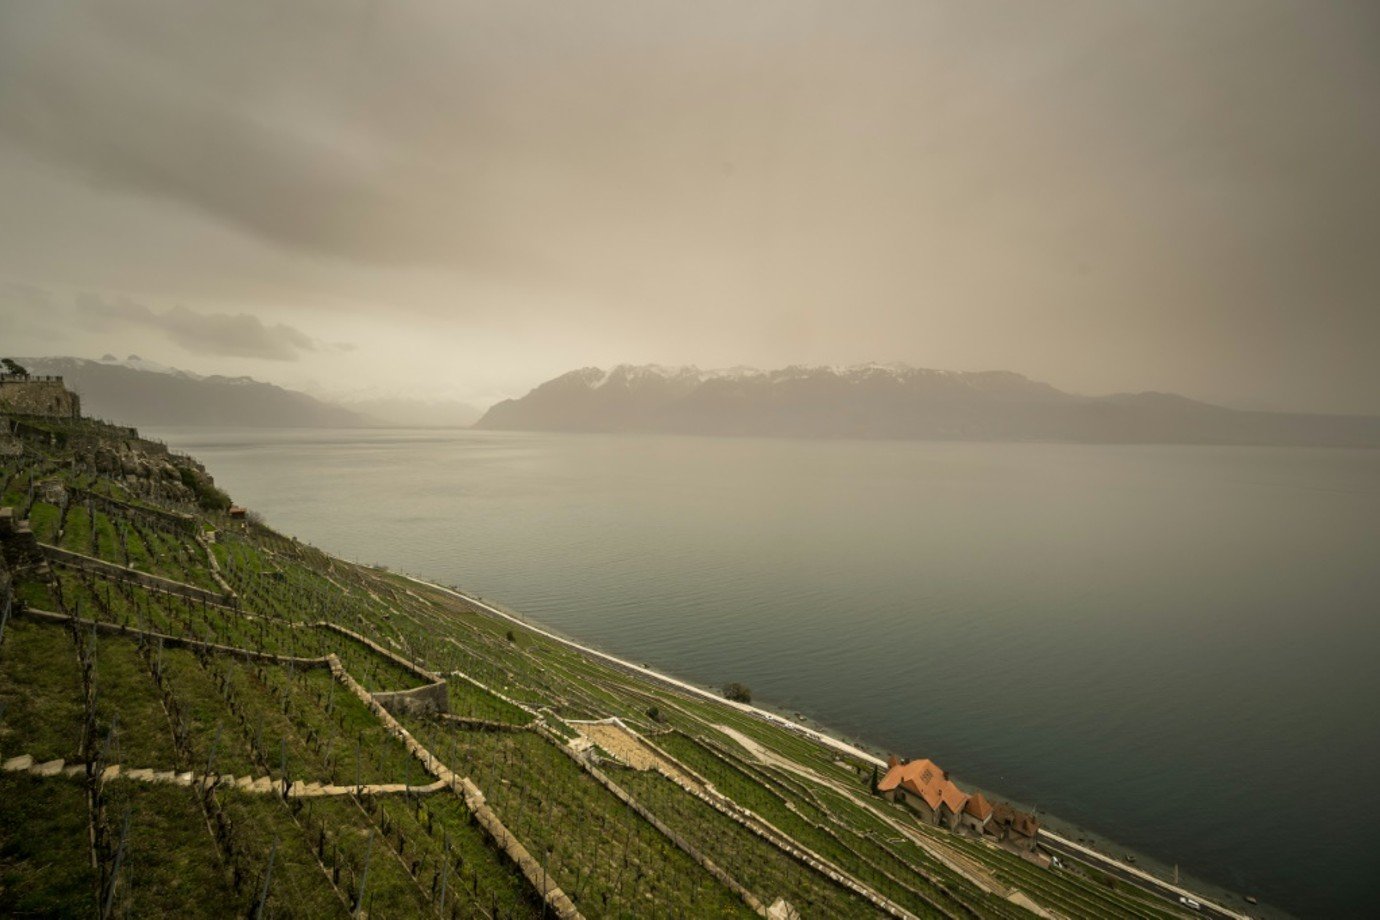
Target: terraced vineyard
{"type": "Point", "coordinates": [202, 717]}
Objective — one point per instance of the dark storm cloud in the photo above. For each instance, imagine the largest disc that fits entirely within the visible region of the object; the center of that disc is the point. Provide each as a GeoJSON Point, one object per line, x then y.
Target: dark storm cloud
{"type": "Point", "coordinates": [27, 313]}
{"type": "Point", "coordinates": [1148, 194]}
{"type": "Point", "coordinates": [239, 335]}
{"type": "Point", "coordinates": [294, 122]}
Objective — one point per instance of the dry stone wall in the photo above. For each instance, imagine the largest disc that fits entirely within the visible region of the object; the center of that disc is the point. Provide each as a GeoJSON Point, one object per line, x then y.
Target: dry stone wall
{"type": "Point", "coordinates": [761, 828]}
{"type": "Point", "coordinates": [49, 616]}
{"type": "Point", "coordinates": [159, 517]}
{"type": "Point", "coordinates": [751, 900]}
{"type": "Point", "coordinates": [483, 725]}
{"type": "Point", "coordinates": [432, 698]}
{"type": "Point", "coordinates": [214, 564]}
{"type": "Point", "coordinates": [95, 566]}
{"type": "Point", "coordinates": [18, 544]}
{"type": "Point", "coordinates": [557, 900]}
{"type": "Point", "coordinates": [428, 676]}
{"type": "Point", "coordinates": [296, 789]}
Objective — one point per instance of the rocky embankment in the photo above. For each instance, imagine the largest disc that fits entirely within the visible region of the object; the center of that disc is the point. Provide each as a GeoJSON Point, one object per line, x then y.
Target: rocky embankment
{"type": "Point", "coordinates": [151, 471]}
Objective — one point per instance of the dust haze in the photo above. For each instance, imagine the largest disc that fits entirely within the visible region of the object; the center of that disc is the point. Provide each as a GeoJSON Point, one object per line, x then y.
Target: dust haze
{"type": "Point", "coordinates": [468, 198]}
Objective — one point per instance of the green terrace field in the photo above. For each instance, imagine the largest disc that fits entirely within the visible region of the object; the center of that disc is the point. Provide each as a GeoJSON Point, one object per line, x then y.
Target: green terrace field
{"type": "Point", "coordinates": [226, 739]}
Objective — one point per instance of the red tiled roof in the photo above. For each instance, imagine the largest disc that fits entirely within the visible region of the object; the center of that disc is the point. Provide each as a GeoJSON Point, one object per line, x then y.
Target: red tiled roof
{"type": "Point", "coordinates": [927, 780]}
{"type": "Point", "coordinates": [978, 807]}
{"type": "Point", "coordinates": [891, 780]}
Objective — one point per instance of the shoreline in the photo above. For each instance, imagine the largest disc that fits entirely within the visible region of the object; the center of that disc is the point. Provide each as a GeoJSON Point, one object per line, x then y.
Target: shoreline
{"type": "Point", "coordinates": [1103, 850]}
{"type": "Point", "coordinates": [1101, 859]}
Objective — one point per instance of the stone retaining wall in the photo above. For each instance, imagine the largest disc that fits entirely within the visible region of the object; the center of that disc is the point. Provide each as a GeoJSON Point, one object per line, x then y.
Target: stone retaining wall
{"type": "Point", "coordinates": [184, 523]}
{"type": "Point", "coordinates": [733, 763]}
{"type": "Point", "coordinates": [91, 564]}
{"type": "Point", "coordinates": [484, 725]}
{"type": "Point", "coordinates": [479, 685]}
{"type": "Point", "coordinates": [752, 822]}
{"type": "Point", "coordinates": [48, 616]}
{"type": "Point", "coordinates": [214, 564]}
{"type": "Point", "coordinates": [296, 789]}
{"type": "Point", "coordinates": [430, 699]}
{"type": "Point", "coordinates": [685, 846]}
{"type": "Point", "coordinates": [556, 899]}
{"type": "Point", "coordinates": [18, 544]}
{"type": "Point", "coordinates": [428, 676]}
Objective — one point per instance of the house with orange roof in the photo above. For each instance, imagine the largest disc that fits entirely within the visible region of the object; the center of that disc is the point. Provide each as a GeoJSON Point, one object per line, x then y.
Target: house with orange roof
{"type": "Point", "coordinates": [926, 788]}
{"type": "Point", "coordinates": [977, 811]}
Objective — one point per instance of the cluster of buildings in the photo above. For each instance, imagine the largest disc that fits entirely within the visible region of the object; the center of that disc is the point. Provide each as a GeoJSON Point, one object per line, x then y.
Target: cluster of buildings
{"type": "Point", "coordinates": [927, 790]}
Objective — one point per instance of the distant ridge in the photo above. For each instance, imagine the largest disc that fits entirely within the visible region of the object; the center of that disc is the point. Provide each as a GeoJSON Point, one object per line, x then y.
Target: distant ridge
{"type": "Point", "coordinates": [896, 401]}
{"type": "Point", "coordinates": [143, 393]}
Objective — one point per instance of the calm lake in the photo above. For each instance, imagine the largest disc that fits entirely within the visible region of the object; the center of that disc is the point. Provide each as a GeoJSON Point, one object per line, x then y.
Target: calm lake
{"type": "Point", "coordinates": [1172, 647]}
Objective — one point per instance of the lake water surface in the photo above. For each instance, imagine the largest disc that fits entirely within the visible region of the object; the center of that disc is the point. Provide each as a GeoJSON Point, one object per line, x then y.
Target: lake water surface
{"type": "Point", "coordinates": [1175, 647]}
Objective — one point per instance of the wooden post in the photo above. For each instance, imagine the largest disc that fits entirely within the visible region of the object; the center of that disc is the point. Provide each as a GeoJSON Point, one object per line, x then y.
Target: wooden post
{"type": "Point", "coordinates": [268, 876]}
{"type": "Point", "coordinates": [5, 614]}
{"type": "Point", "coordinates": [109, 901]}
{"type": "Point", "coordinates": [445, 870]}
{"type": "Point", "coordinates": [364, 876]}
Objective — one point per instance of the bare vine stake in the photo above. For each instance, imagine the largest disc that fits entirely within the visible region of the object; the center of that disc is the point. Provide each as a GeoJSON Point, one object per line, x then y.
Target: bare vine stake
{"type": "Point", "coordinates": [364, 876]}
{"type": "Point", "coordinates": [268, 876]}
{"type": "Point", "coordinates": [211, 758]}
{"type": "Point", "coordinates": [5, 616]}
{"type": "Point", "coordinates": [112, 741]}
{"type": "Point", "coordinates": [115, 868]}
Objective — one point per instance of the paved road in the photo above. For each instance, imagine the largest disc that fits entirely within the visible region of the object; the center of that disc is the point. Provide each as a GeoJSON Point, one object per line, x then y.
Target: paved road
{"type": "Point", "coordinates": [1142, 880]}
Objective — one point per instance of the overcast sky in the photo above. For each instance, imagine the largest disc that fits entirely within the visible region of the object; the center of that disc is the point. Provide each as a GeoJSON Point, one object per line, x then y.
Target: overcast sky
{"type": "Point", "coordinates": [472, 197]}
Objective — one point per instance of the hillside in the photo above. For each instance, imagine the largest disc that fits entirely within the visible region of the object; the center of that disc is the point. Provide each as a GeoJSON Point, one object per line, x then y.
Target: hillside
{"type": "Point", "coordinates": [201, 717]}
{"type": "Point", "coordinates": [895, 401]}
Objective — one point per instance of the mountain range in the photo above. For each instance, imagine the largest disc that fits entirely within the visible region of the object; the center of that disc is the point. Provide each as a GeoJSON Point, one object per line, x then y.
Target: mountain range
{"type": "Point", "coordinates": [147, 393]}
{"type": "Point", "coordinates": [144, 393]}
{"type": "Point", "coordinates": [896, 401]}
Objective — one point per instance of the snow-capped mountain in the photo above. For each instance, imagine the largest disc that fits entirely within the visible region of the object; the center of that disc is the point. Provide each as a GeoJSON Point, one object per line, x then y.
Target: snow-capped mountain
{"type": "Point", "coordinates": [688, 378]}
{"type": "Point", "coordinates": [136, 363]}
{"type": "Point", "coordinates": [893, 401]}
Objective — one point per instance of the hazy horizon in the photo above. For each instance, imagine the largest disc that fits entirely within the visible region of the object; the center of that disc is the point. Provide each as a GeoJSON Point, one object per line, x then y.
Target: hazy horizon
{"type": "Point", "coordinates": [464, 200]}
